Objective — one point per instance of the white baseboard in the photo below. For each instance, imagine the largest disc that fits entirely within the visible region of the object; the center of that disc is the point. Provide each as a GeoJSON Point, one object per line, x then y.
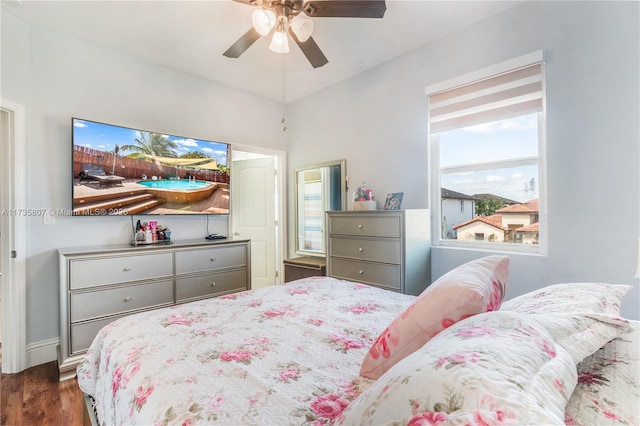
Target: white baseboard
{"type": "Point", "coordinates": [42, 352]}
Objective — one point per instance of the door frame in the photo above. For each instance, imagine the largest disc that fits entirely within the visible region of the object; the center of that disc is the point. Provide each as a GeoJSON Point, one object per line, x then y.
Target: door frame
{"type": "Point", "coordinates": [13, 226]}
{"type": "Point", "coordinates": [281, 213]}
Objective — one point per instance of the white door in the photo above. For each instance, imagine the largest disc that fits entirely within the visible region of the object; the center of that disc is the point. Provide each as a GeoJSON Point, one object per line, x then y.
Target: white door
{"type": "Point", "coordinates": [253, 207]}
{"type": "Point", "coordinates": [13, 228]}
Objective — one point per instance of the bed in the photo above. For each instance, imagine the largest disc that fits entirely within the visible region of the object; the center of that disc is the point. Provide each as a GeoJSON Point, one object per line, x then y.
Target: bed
{"type": "Point", "coordinates": [322, 351]}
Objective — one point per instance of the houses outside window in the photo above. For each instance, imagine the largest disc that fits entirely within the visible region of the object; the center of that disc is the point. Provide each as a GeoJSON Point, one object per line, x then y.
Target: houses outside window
{"type": "Point", "coordinates": [487, 139]}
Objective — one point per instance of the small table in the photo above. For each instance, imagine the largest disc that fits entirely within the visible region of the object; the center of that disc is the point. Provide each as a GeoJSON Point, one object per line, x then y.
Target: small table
{"type": "Point", "coordinates": [304, 267]}
{"type": "Point", "coordinates": [110, 180]}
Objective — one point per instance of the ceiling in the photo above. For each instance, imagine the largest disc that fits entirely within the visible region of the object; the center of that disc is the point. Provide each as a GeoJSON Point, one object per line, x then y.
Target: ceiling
{"type": "Point", "coordinates": [191, 36]}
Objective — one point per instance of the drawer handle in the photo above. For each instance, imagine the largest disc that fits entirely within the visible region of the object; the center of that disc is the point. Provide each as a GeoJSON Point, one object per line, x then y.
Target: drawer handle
{"type": "Point", "coordinates": [126, 269]}
{"type": "Point", "coordinates": [360, 249]}
{"type": "Point", "coordinates": [213, 284]}
{"type": "Point", "coordinates": [127, 299]}
{"type": "Point", "coordinates": [213, 259]}
{"type": "Point", "coordinates": [360, 226]}
{"type": "Point", "coordinates": [360, 272]}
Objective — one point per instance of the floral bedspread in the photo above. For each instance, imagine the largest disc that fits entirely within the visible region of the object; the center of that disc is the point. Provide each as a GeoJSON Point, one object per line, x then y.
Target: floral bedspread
{"type": "Point", "coordinates": [280, 355]}
{"type": "Point", "coordinates": [608, 390]}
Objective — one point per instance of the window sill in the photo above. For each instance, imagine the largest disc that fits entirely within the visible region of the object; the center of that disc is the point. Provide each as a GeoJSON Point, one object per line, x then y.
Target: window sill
{"type": "Point", "coordinates": [505, 248]}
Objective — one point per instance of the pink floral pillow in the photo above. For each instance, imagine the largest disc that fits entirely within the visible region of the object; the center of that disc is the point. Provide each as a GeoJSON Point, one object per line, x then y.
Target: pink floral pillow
{"type": "Point", "coordinates": [475, 287]}
{"type": "Point", "coordinates": [608, 390]}
{"type": "Point", "coordinates": [495, 368]}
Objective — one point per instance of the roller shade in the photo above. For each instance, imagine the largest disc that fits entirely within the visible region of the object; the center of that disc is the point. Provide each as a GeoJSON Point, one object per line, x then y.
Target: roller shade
{"type": "Point", "coordinates": [505, 95]}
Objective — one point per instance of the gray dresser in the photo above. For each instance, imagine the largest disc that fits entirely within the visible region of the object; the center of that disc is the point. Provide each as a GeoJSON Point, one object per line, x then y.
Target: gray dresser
{"type": "Point", "coordinates": [100, 285]}
{"type": "Point", "coordinates": [389, 249]}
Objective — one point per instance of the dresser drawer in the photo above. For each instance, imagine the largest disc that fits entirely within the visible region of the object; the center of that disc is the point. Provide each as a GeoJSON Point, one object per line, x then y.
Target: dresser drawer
{"type": "Point", "coordinates": [378, 274]}
{"type": "Point", "coordinates": [374, 226]}
{"type": "Point", "coordinates": [95, 304]}
{"type": "Point", "coordinates": [224, 256]}
{"type": "Point", "coordinates": [388, 251]}
{"type": "Point", "coordinates": [85, 273]}
{"type": "Point", "coordinates": [210, 284]}
{"type": "Point", "coordinates": [83, 334]}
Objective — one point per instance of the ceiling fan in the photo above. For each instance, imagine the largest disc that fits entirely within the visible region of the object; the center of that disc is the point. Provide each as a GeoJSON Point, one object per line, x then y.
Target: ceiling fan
{"type": "Point", "coordinates": [294, 16]}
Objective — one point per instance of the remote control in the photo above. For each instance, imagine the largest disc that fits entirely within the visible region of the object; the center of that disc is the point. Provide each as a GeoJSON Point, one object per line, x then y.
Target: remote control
{"type": "Point", "coordinates": [215, 237]}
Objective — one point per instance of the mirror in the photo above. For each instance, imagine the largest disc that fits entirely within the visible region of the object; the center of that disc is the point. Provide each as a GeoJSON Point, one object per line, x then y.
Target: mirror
{"type": "Point", "coordinates": [318, 188]}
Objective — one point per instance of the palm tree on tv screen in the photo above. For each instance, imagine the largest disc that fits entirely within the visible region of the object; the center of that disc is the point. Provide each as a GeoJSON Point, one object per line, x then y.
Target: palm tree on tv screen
{"type": "Point", "coordinates": [116, 150]}
{"type": "Point", "coordinates": [151, 145]}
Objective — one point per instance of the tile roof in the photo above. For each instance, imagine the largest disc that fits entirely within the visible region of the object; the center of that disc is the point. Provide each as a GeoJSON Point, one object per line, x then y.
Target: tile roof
{"type": "Point", "coordinates": [531, 206]}
{"type": "Point", "coordinates": [534, 227]}
{"type": "Point", "coordinates": [495, 197]}
{"type": "Point", "coordinates": [447, 193]}
{"type": "Point", "coordinates": [494, 220]}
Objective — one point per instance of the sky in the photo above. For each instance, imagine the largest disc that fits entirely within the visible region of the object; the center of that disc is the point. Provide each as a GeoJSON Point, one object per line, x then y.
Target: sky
{"type": "Point", "coordinates": [508, 139]}
{"type": "Point", "coordinates": [104, 137]}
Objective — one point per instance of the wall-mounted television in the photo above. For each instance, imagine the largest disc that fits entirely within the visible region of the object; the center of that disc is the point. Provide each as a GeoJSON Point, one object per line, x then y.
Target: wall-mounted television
{"type": "Point", "coordinates": [123, 171]}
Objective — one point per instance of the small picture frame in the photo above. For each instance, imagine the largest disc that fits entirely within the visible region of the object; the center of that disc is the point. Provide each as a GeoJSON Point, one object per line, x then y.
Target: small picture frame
{"type": "Point", "coordinates": [393, 201]}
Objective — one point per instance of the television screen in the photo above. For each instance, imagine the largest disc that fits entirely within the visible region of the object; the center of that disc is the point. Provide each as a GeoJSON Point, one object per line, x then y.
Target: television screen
{"type": "Point", "coordinates": [123, 171]}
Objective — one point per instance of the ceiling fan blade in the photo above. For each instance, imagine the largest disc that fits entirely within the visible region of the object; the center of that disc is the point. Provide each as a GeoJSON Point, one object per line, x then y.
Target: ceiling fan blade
{"type": "Point", "coordinates": [311, 50]}
{"type": "Point", "coordinates": [345, 8]}
{"type": "Point", "coordinates": [242, 44]}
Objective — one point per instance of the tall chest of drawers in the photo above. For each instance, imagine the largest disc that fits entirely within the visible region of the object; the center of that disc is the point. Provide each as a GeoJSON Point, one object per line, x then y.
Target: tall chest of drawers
{"type": "Point", "coordinates": [100, 285]}
{"type": "Point", "coordinates": [389, 249]}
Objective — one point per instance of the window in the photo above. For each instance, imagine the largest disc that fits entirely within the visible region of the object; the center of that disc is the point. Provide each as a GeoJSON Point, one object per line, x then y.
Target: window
{"type": "Point", "coordinates": [486, 132]}
{"type": "Point", "coordinates": [461, 206]}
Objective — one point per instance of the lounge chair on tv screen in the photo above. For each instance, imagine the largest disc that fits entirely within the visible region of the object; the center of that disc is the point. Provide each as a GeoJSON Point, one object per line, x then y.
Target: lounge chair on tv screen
{"type": "Point", "coordinates": [93, 172]}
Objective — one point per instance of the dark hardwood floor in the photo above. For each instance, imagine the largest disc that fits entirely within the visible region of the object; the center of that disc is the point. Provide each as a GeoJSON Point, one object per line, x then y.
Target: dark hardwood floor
{"type": "Point", "coordinates": [36, 397]}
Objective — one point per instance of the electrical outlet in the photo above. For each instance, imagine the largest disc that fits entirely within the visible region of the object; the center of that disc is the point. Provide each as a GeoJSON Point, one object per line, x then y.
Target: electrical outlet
{"type": "Point", "coordinates": [48, 218]}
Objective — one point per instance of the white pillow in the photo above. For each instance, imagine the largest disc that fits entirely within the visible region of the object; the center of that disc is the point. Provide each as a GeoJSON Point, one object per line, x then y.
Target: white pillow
{"type": "Point", "coordinates": [580, 316]}
{"type": "Point", "coordinates": [570, 298]}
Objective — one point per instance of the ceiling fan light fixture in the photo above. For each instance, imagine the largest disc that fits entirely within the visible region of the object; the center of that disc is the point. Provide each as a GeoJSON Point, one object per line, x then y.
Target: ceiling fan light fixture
{"type": "Point", "coordinates": [296, 16]}
{"type": "Point", "coordinates": [263, 21]}
{"type": "Point", "coordinates": [279, 42]}
{"type": "Point", "coordinates": [302, 26]}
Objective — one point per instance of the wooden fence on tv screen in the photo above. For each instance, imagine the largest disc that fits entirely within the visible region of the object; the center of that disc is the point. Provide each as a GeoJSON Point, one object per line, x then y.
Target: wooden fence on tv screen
{"type": "Point", "coordinates": [133, 168]}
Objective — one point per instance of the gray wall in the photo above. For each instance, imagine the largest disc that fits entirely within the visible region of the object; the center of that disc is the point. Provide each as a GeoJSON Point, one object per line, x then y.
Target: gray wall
{"type": "Point", "coordinates": [57, 77]}
{"type": "Point", "coordinates": [377, 121]}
